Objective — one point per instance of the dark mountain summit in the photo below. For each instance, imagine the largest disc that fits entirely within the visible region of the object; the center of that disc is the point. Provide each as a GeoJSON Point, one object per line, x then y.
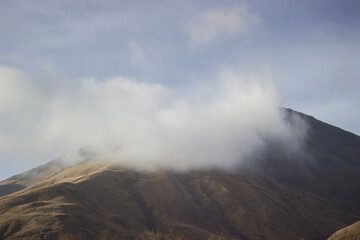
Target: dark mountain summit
{"type": "Point", "coordinates": [284, 196]}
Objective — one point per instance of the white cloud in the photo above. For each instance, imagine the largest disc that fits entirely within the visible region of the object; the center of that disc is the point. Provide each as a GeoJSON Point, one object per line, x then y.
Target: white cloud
{"type": "Point", "coordinates": [153, 124]}
{"type": "Point", "coordinates": [12, 80]}
{"type": "Point", "coordinates": [218, 24]}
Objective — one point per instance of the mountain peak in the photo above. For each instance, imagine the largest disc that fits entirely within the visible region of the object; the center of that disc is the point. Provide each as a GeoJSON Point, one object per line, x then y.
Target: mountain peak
{"type": "Point", "coordinates": [284, 198]}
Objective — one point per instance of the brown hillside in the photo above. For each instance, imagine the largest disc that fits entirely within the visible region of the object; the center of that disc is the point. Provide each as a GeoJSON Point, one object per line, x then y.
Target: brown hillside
{"type": "Point", "coordinates": [351, 232]}
{"type": "Point", "coordinates": [284, 198]}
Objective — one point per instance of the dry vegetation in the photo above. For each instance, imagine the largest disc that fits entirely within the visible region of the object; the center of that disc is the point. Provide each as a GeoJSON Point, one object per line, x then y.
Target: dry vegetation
{"type": "Point", "coordinates": [351, 232]}
{"type": "Point", "coordinates": [171, 235]}
{"type": "Point", "coordinates": [147, 235]}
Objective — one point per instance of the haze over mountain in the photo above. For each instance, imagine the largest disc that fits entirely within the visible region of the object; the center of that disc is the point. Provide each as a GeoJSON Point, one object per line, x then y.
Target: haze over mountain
{"type": "Point", "coordinates": [182, 129]}
{"type": "Point", "coordinates": [75, 74]}
{"type": "Point", "coordinates": [278, 195]}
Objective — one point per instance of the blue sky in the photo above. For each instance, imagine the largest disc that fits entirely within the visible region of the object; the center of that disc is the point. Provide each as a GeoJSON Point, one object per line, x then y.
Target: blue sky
{"type": "Point", "coordinates": [309, 49]}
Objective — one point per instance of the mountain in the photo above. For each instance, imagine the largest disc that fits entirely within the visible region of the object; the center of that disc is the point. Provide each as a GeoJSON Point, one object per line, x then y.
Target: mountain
{"type": "Point", "coordinates": [282, 196]}
{"type": "Point", "coordinates": [351, 232]}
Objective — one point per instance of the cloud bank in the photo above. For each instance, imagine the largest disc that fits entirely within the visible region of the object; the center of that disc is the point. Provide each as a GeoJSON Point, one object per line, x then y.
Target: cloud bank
{"type": "Point", "coordinates": [142, 124]}
{"type": "Point", "coordinates": [213, 25]}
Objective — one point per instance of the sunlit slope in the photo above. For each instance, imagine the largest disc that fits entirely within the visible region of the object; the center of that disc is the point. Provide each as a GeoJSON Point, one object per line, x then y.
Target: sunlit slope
{"type": "Point", "coordinates": [351, 232]}
{"type": "Point", "coordinates": [281, 197]}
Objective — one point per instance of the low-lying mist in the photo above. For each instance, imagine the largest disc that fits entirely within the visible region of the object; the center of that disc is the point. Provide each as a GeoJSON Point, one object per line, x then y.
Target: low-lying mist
{"type": "Point", "coordinates": [143, 124]}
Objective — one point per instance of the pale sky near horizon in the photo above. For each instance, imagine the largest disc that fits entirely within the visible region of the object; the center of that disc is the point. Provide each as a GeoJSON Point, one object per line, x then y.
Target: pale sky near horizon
{"type": "Point", "coordinates": [309, 49]}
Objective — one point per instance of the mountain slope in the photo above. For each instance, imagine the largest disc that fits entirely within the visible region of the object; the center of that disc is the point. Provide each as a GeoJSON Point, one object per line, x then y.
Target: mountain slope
{"type": "Point", "coordinates": [351, 232]}
{"type": "Point", "coordinates": [283, 197]}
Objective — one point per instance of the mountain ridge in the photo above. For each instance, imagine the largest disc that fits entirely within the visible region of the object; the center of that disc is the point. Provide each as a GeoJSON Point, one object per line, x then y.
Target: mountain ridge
{"type": "Point", "coordinates": [285, 199]}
